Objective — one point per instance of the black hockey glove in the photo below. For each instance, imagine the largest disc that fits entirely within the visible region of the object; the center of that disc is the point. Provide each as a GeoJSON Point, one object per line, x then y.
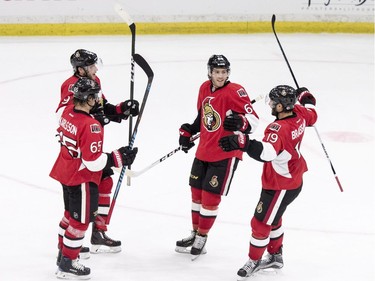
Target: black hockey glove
{"type": "Point", "coordinates": [305, 97]}
{"type": "Point", "coordinates": [237, 122]}
{"type": "Point", "coordinates": [103, 120]}
{"type": "Point", "coordinates": [97, 108]}
{"type": "Point", "coordinates": [130, 107]}
{"type": "Point", "coordinates": [301, 90]}
{"type": "Point", "coordinates": [233, 142]}
{"type": "Point", "coordinates": [124, 156]}
{"type": "Point", "coordinates": [185, 134]}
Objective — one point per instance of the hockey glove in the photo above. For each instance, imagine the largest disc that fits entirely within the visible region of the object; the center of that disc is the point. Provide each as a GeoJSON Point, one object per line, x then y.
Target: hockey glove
{"type": "Point", "coordinates": [97, 108]}
{"type": "Point", "coordinates": [184, 141]}
{"type": "Point", "coordinates": [301, 90]}
{"type": "Point", "coordinates": [129, 107]}
{"type": "Point", "coordinates": [103, 120]}
{"type": "Point", "coordinates": [305, 97]}
{"type": "Point", "coordinates": [237, 122]}
{"type": "Point", "coordinates": [124, 156]}
{"type": "Point", "coordinates": [234, 142]}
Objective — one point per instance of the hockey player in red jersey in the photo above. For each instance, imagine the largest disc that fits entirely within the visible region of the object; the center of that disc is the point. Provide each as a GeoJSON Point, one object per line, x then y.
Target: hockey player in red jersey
{"type": "Point", "coordinates": [282, 175]}
{"type": "Point", "coordinates": [79, 168]}
{"type": "Point", "coordinates": [84, 64]}
{"type": "Point", "coordinates": [223, 107]}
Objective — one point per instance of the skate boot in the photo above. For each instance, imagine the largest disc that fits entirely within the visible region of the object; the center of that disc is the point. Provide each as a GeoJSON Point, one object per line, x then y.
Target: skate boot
{"type": "Point", "coordinates": [198, 247]}
{"type": "Point", "coordinates": [101, 243]}
{"type": "Point", "coordinates": [183, 244]}
{"type": "Point", "coordinates": [248, 269]}
{"type": "Point", "coordinates": [72, 269]}
{"type": "Point", "coordinates": [83, 254]}
{"type": "Point", "coordinates": [274, 261]}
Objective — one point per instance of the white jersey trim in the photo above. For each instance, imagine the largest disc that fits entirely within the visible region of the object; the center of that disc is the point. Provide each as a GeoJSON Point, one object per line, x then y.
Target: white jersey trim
{"type": "Point", "coordinates": [98, 164]}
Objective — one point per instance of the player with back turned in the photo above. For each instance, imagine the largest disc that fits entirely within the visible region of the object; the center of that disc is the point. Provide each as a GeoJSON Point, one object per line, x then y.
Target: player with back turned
{"type": "Point", "coordinates": [282, 176]}
{"type": "Point", "coordinates": [85, 65]}
{"type": "Point", "coordinates": [79, 168]}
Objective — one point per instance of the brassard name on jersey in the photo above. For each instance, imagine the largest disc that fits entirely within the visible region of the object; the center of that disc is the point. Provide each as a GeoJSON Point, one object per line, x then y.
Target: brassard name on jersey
{"type": "Point", "coordinates": [67, 126]}
{"type": "Point", "coordinates": [301, 129]}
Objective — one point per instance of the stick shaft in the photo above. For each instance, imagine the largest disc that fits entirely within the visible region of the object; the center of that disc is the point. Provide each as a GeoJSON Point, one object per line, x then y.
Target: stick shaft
{"type": "Point", "coordinates": [130, 173]}
{"type": "Point", "coordinates": [295, 81]}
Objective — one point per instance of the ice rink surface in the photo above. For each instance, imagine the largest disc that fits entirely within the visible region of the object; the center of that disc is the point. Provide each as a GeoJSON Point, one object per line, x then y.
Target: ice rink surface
{"type": "Point", "coordinates": [329, 235]}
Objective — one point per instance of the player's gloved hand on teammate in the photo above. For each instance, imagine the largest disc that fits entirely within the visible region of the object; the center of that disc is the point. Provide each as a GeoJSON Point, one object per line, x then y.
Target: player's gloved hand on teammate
{"type": "Point", "coordinates": [185, 135]}
{"type": "Point", "coordinates": [234, 142]}
{"type": "Point", "coordinates": [305, 97]}
{"type": "Point", "coordinates": [97, 108]}
{"type": "Point", "coordinates": [236, 122]}
{"type": "Point", "coordinates": [103, 120]}
{"type": "Point", "coordinates": [124, 156]}
{"type": "Point", "coordinates": [129, 108]}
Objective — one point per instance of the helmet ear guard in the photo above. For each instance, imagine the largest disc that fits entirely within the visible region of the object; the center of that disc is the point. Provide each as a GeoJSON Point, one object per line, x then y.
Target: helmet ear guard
{"type": "Point", "coordinates": [285, 95]}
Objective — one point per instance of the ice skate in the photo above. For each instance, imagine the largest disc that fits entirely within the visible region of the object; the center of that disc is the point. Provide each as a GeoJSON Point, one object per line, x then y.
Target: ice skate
{"type": "Point", "coordinates": [72, 269]}
{"type": "Point", "coordinates": [83, 254]}
{"type": "Point", "coordinates": [248, 269]}
{"type": "Point", "coordinates": [274, 261]}
{"type": "Point", "coordinates": [184, 245]}
{"type": "Point", "coordinates": [198, 247]}
{"type": "Point", "coordinates": [101, 243]}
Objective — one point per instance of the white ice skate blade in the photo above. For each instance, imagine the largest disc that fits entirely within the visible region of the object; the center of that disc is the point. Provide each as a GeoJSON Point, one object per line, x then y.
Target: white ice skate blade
{"type": "Point", "coordinates": [194, 257]}
{"type": "Point", "coordinates": [261, 271]}
{"type": "Point", "coordinates": [265, 271]}
{"type": "Point", "coordinates": [70, 276]}
{"type": "Point", "coordinates": [102, 249]}
{"type": "Point", "coordinates": [183, 250]}
{"type": "Point", "coordinates": [268, 271]}
{"type": "Point", "coordinates": [239, 278]}
{"type": "Point", "coordinates": [84, 255]}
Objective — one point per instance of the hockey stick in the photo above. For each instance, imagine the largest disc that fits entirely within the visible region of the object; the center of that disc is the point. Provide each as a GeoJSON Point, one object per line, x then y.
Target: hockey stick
{"type": "Point", "coordinates": [125, 16]}
{"type": "Point", "coordinates": [150, 75]}
{"type": "Point", "coordinates": [131, 173]}
{"type": "Point", "coordinates": [295, 81]}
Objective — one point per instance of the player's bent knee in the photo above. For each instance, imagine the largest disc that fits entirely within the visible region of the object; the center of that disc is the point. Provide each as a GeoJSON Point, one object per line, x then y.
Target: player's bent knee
{"type": "Point", "coordinates": [259, 228]}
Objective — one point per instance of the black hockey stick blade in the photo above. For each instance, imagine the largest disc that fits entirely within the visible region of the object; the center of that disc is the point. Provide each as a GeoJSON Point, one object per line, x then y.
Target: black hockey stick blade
{"type": "Point", "coordinates": [144, 65]}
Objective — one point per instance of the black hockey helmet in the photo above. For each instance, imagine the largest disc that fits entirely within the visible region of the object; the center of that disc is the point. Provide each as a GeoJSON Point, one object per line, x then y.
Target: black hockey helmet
{"type": "Point", "coordinates": [82, 58]}
{"type": "Point", "coordinates": [85, 87]}
{"type": "Point", "coordinates": [217, 61]}
{"type": "Point", "coordinates": [285, 95]}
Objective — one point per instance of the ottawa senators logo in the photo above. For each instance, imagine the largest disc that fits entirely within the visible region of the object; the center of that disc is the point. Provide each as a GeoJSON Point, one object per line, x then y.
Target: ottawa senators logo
{"type": "Point", "coordinates": [214, 182]}
{"type": "Point", "coordinates": [211, 119]}
{"type": "Point", "coordinates": [193, 177]}
{"type": "Point", "coordinates": [260, 207]}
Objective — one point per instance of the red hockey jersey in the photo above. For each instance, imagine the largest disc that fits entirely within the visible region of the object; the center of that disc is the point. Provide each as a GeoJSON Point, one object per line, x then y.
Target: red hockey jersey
{"type": "Point", "coordinates": [81, 158]}
{"type": "Point", "coordinates": [214, 107]}
{"type": "Point", "coordinates": [282, 142]}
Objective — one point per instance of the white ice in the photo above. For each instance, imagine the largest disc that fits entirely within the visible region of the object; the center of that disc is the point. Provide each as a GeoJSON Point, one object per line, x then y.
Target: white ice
{"type": "Point", "coordinates": [329, 235]}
